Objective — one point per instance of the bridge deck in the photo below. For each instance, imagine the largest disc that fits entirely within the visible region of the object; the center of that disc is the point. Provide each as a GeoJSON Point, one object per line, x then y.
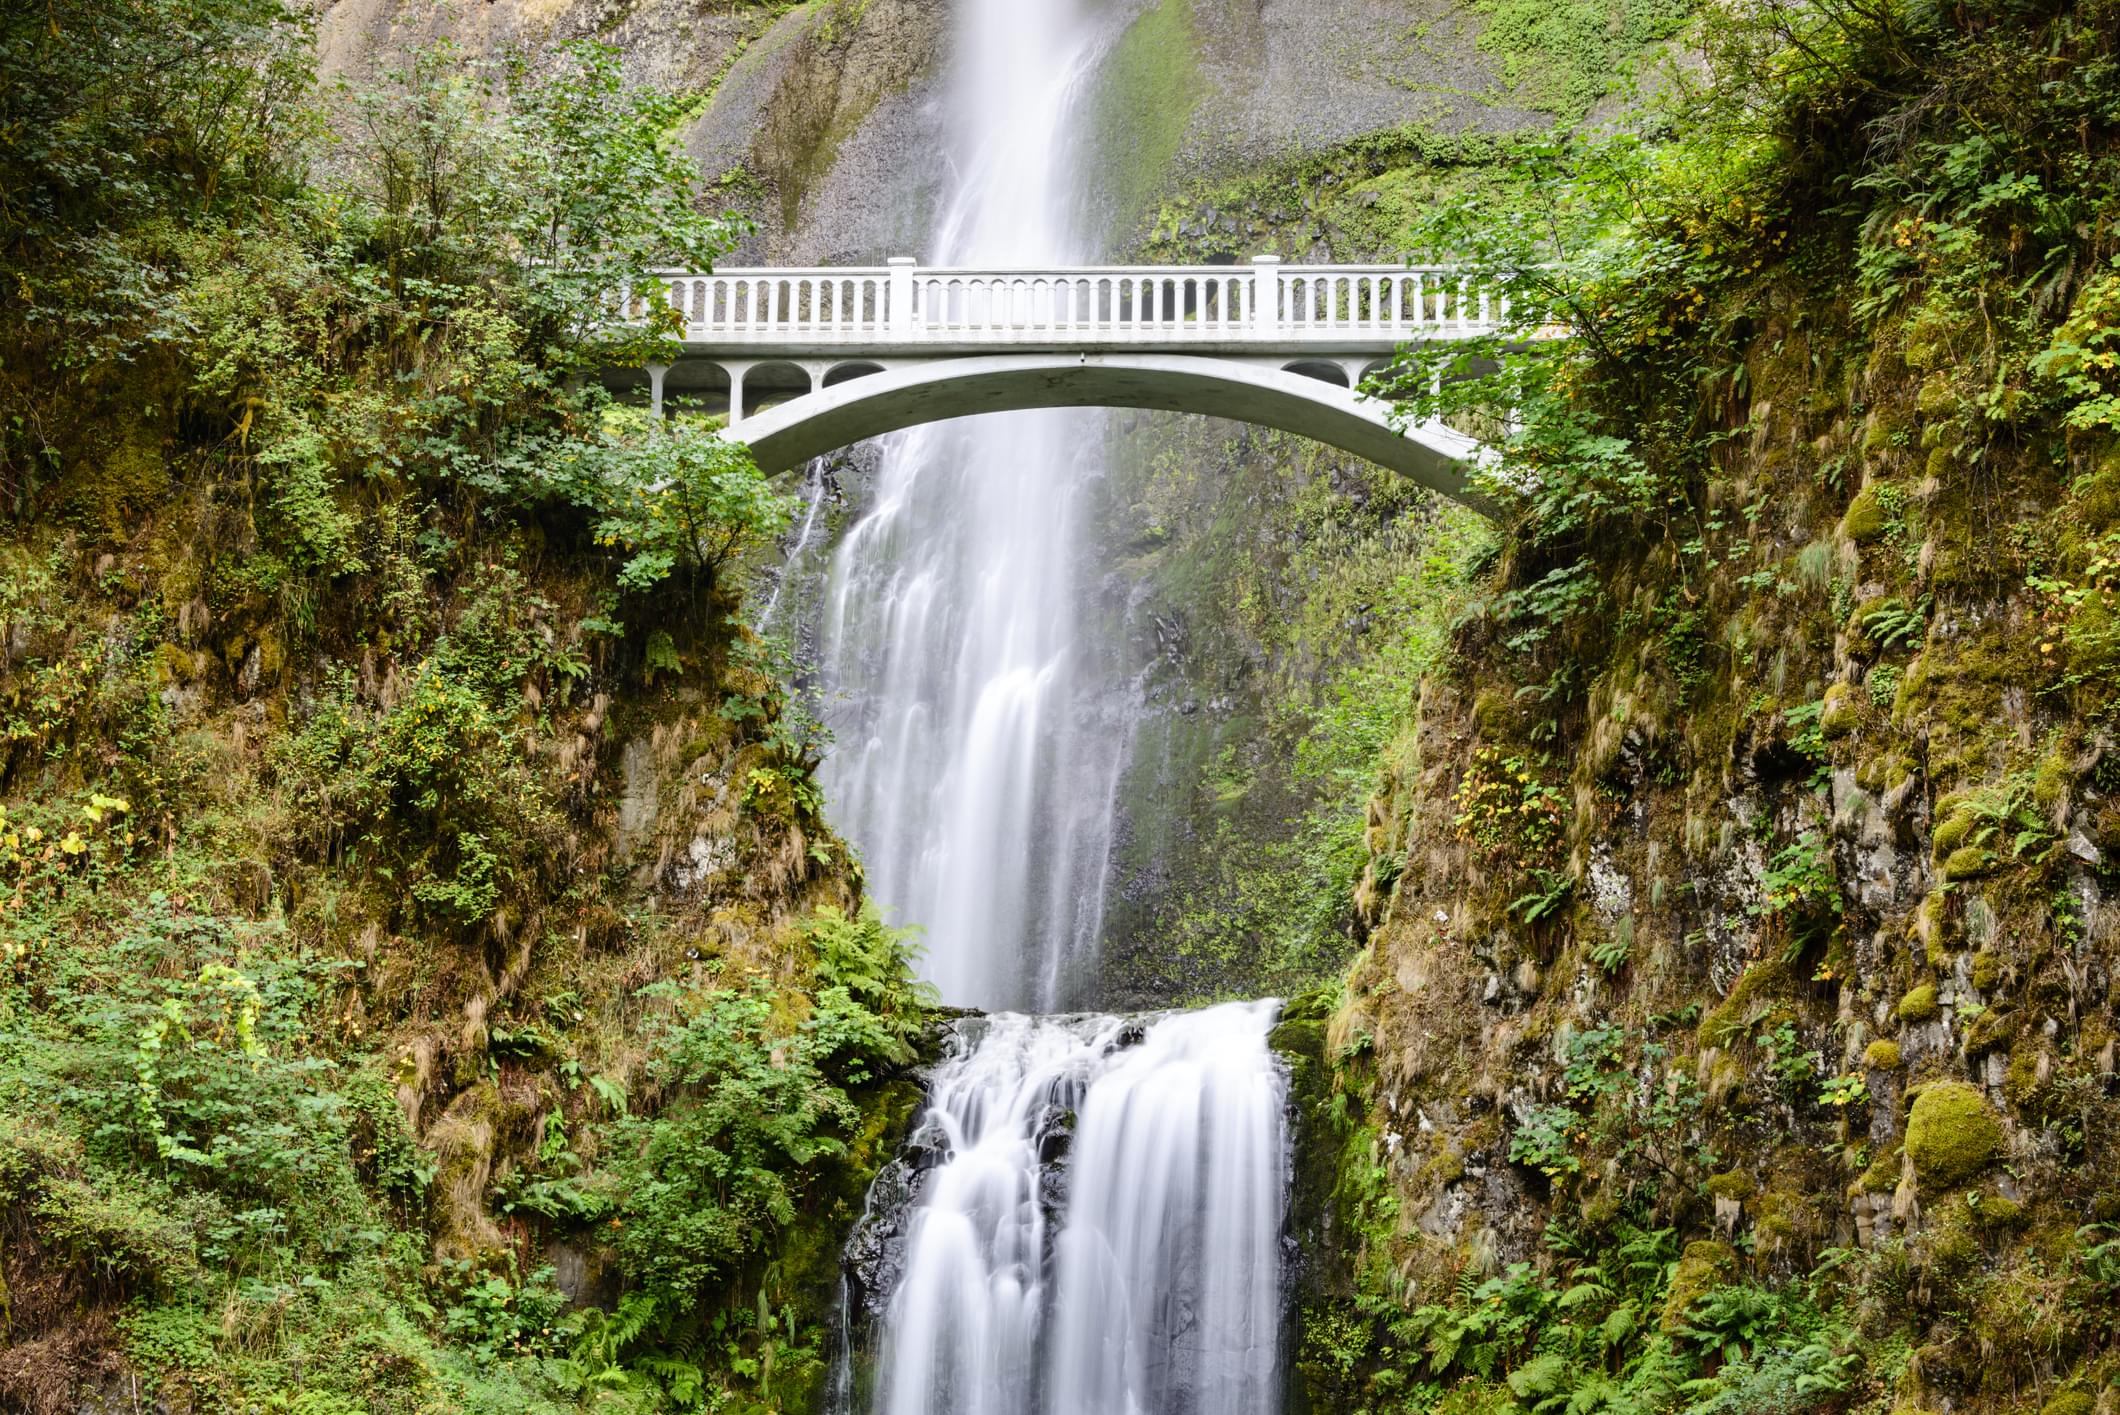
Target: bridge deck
{"type": "Point", "coordinates": [907, 310]}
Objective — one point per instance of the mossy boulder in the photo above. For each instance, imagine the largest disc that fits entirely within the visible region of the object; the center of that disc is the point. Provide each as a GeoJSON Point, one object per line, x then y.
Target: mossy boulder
{"type": "Point", "coordinates": [1703, 1267]}
{"type": "Point", "coordinates": [1866, 518]}
{"type": "Point", "coordinates": [1881, 1055]}
{"type": "Point", "coordinates": [2070, 1402]}
{"type": "Point", "coordinates": [1919, 1005]}
{"type": "Point", "coordinates": [1951, 1135]}
{"type": "Point", "coordinates": [1841, 713]}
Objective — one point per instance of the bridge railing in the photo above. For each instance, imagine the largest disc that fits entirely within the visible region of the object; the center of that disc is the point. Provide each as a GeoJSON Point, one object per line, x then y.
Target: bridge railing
{"type": "Point", "coordinates": [905, 303]}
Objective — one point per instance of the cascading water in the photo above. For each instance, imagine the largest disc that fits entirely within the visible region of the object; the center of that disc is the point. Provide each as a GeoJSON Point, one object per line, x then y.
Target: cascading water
{"type": "Point", "coordinates": [1088, 1219]}
{"type": "Point", "coordinates": [1141, 1273]}
{"type": "Point", "coordinates": [979, 745]}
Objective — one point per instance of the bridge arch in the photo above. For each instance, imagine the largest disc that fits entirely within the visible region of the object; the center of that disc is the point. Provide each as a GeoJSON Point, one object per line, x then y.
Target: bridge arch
{"type": "Point", "coordinates": [1323, 370]}
{"type": "Point", "coordinates": [851, 369]}
{"type": "Point", "coordinates": [837, 415]}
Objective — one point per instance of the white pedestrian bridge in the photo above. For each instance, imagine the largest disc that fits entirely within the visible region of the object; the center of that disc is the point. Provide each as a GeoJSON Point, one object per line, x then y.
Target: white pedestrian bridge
{"type": "Point", "coordinates": [809, 360]}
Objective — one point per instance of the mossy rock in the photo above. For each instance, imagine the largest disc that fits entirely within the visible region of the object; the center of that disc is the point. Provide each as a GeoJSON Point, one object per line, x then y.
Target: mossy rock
{"type": "Point", "coordinates": [1996, 1214]}
{"type": "Point", "coordinates": [1840, 715]}
{"type": "Point", "coordinates": [1987, 969]}
{"type": "Point", "coordinates": [1887, 771]}
{"type": "Point", "coordinates": [1736, 1184]}
{"type": "Point", "coordinates": [1883, 431]}
{"type": "Point", "coordinates": [1782, 1217]}
{"type": "Point", "coordinates": [1494, 714]}
{"type": "Point", "coordinates": [1937, 397]}
{"type": "Point", "coordinates": [2071, 1402]}
{"type": "Point", "coordinates": [1951, 1135]}
{"type": "Point", "coordinates": [1866, 517]}
{"type": "Point", "coordinates": [1970, 862]}
{"type": "Point", "coordinates": [1950, 834]}
{"type": "Point", "coordinates": [1934, 924]}
{"type": "Point", "coordinates": [2056, 773]}
{"type": "Point", "coordinates": [1732, 1017]}
{"type": "Point", "coordinates": [1991, 1031]}
{"type": "Point", "coordinates": [1703, 1267]}
{"type": "Point", "coordinates": [1882, 1177]}
{"type": "Point", "coordinates": [1881, 1055]}
{"type": "Point", "coordinates": [1919, 1005]}
{"type": "Point", "coordinates": [1925, 342]}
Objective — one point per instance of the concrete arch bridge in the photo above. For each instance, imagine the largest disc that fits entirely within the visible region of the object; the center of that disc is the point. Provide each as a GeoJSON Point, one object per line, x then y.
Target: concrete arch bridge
{"type": "Point", "coordinates": [809, 360]}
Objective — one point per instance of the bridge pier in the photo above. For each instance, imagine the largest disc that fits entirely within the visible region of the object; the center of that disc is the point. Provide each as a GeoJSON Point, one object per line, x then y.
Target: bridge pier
{"type": "Point", "coordinates": [735, 369]}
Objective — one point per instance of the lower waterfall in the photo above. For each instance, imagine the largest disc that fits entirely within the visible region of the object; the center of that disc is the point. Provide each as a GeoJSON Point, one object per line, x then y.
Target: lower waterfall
{"type": "Point", "coordinates": [1086, 1221]}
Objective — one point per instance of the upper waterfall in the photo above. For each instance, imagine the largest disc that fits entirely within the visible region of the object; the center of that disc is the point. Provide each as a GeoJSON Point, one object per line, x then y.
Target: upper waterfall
{"type": "Point", "coordinates": [979, 739]}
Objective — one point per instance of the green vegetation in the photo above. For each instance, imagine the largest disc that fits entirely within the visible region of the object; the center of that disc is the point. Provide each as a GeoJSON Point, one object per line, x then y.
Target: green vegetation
{"type": "Point", "coordinates": [1317, 599]}
{"type": "Point", "coordinates": [1820, 716]}
{"type": "Point", "coordinates": [355, 1052]}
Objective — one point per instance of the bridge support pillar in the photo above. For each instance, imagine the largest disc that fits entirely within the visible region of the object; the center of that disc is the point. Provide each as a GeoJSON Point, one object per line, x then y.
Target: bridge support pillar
{"type": "Point", "coordinates": [1265, 308]}
{"type": "Point", "coordinates": [736, 369]}
{"type": "Point", "coordinates": [901, 294]}
{"type": "Point", "coordinates": [656, 374]}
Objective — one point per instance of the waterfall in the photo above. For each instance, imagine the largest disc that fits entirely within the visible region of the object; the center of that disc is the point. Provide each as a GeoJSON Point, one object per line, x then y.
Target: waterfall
{"type": "Point", "coordinates": [1097, 1228]}
{"type": "Point", "coordinates": [979, 740]}
{"type": "Point", "coordinates": [1087, 1220]}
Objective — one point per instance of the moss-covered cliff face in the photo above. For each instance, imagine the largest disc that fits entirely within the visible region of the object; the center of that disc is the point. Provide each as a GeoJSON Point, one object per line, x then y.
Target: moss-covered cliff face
{"type": "Point", "coordinates": [427, 981]}
{"type": "Point", "coordinates": [1732, 1028]}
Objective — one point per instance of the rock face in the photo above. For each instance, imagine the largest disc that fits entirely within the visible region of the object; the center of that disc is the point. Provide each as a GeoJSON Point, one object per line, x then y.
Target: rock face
{"type": "Point", "coordinates": [823, 123]}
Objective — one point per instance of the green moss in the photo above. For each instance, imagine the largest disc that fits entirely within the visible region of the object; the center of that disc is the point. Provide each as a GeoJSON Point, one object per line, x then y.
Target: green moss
{"type": "Point", "coordinates": [1881, 1055]}
{"type": "Point", "coordinates": [1937, 398]}
{"type": "Point", "coordinates": [1149, 88]}
{"type": "Point", "coordinates": [1987, 969]}
{"type": "Point", "coordinates": [1951, 1135]}
{"type": "Point", "coordinates": [133, 476]}
{"type": "Point", "coordinates": [1884, 430]}
{"type": "Point", "coordinates": [1882, 1177]}
{"type": "Point", "coordinates": [1887, 771]}
{"type": "Point", "coordinates": [1734, 1016]}
{"type": "Point", "coordinates": [1736, 1184]}
{"type": "Point", "coordinates": [1936, 926]}
{"type": "Point", "coordinates": [174, 664]}
{"type": "Point", "coordinates": [2052, 779]}
{"type": "Point", "coordinates": [1991, 1030]}
{"type": "Point", "coordinates": [1951, 834]}
{"type": "Point", "coordinates": [1782, 1216]}
{"type": "Point", "coordinates": [1866, 518]}
{"type": "Point", "coordinates": [1996, 1214]}
{"type": "Point", "coordinates": [1919, 1005]}
{"type": "Point", "coordinates": [1494, 714]}
{"type": "Point", "coordinates": [1969, 862]}
{"type": "Point", "coordinates": [1705, 1266]}
{"type": "Point", "coordinates": [2070, 1402]}
{"type": "Point", "coordinates": [1841, 713]}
